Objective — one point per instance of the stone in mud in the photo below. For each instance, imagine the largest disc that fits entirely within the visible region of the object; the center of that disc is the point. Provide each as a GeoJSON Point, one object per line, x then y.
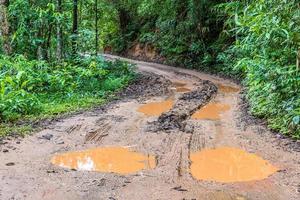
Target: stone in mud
{"type": "Point", "coordinates": [10, 164]}
{"type": "Point", "coordinates": [47, 136]}
{"type": "Point", "coordinates": [60, 142]}
{"type": "Point", "coordinates": [188, 128]}
{"type": "Point", "coordinates": [179, 189]}
{"type": "Point", "coordinates": [184, 108]}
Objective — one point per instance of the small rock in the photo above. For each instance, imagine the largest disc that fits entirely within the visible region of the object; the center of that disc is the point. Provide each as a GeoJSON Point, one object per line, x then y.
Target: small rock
{"type": "Point", "coordinates": [10, 164]}
{"type": "Point", "coordinates": [5, 150]}
{"type": "Point", "coordinates": [18, 142]}
{"type": "Point", "coordinates": [278, 136]}
{"type": "Point", "coordinates": [180, 189]}
{"type": "Point", "coordinates": [51, 171]}
{"type": "Point", "coordinates": [47, 136]}
{"type": "Point", "coordinates": [60, 142]}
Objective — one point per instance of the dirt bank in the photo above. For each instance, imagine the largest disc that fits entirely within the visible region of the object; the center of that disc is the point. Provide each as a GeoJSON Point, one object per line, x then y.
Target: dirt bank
{"type": "Point", "coordinates": [27, 173]}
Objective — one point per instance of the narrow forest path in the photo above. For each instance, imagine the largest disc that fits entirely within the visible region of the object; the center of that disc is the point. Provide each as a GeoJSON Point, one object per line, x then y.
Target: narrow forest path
{"type": "Point", "coordinates": [26, 170]}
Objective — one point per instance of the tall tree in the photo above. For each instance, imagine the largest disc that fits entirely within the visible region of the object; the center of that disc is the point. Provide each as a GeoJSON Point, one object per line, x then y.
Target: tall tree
{"type": "Point", "coordinates": [75, 27]}
{"type": "Point", "coordinates": [96, 28]}
{"type": "Point", "coordinates": [4, 26]}
{"type": "Point", "coordinates": [59, 49]}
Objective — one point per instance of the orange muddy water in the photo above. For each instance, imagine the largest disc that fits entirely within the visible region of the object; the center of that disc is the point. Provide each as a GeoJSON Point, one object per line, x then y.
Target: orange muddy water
{"type": "Point", "coordinates": [111, 159]}
{"type": "Point", "coordinates": [156, 108]}
{"type": "Point", "coordinates": [228, 89]}
{"type": "Point", "coordinates": [229, 165]}
{"type": "Point", "coordinates": [211, 111]}
{"type": "Point", "coordinates": [178, 84]}
{"type": "Point", "coordinates": [182, 89]}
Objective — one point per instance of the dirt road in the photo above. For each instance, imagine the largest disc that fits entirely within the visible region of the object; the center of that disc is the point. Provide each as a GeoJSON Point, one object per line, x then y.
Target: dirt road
{"type": "Point", "coordinates": [26, 170]}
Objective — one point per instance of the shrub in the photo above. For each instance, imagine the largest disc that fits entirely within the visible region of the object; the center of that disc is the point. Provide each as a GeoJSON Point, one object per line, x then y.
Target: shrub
{"type": "Point", "coordinates": [25, 86]}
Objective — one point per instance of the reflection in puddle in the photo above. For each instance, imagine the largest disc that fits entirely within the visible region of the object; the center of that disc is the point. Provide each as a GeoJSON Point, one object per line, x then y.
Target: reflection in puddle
{"type": "Point", "coordinates": [112, 159]}
{"type": "Point", "coordinates": [228, 89]}
{"type": "Point", "coordinates": [211, 111]}
{"type": "Point", "coordinates": [182, 89]}
{"type": "Point", "coordinates": [229, 165]}
{"type": "Point", "coordinates": [156, 108]}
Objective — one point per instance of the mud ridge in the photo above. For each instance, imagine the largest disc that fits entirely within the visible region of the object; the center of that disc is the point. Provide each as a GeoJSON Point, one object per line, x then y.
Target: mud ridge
{"type": "Point", "coordinates": [184, 108]}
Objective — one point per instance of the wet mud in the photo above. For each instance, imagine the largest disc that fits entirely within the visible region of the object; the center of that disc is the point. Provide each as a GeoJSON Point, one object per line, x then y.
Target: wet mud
{"type": "Point", "coordinates": [227, 89]}
{"type": "Point", "coordinates": [182, 90]}
{"type": "Point", "coordinates": [184, 108]}
{"type": "Point", "coordinates": [146, 85]}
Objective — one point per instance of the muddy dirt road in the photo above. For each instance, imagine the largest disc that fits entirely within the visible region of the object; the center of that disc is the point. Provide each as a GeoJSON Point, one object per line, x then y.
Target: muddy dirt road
{"type": "Point", "coordinates": [218, 152]}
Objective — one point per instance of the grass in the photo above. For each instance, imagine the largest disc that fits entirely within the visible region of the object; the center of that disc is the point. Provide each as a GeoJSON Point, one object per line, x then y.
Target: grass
{"type": "Point", "coordinates": [53, 108]}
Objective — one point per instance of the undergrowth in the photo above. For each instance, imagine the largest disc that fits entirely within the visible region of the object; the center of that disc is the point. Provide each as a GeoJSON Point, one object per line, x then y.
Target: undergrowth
{"type": "Point", "coordinates": [34, 90]}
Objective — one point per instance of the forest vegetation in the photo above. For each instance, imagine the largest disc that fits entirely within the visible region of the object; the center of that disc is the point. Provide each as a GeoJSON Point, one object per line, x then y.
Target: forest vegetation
{"type": "Point", "coordinates": [50, 51]}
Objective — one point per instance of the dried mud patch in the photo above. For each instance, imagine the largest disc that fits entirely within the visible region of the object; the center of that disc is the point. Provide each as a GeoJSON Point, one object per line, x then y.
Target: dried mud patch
{"type": "Point", "coordinates": [184, 108]}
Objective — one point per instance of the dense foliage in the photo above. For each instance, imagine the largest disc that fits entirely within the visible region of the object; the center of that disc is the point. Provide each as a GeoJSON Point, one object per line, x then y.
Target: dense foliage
{"type": "Point", "coordinates": [264, 53]}
{"type": "Point", "coordinates": [34, 87]}
{"type": "Point", "coordinates": [184, 32]}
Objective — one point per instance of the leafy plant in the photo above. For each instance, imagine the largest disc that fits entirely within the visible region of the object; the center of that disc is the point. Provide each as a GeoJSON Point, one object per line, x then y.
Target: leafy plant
{"type": "Point", "coordinates": [26, 86]}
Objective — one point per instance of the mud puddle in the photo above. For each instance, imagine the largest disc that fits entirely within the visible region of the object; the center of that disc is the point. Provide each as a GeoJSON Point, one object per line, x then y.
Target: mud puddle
{"type": "Point", "coordinates": [182, 89]}
{"type": "Point", "coordinates": [156, 108]}
{"type": "Point", "coordinates": [211, 111]}
{"type": "Point", "coordinates": [179, 84]}
{"type": "Point", "coordinates": [111, 159]}
{"type": "Point", "coordinates": [229, 165]}
{"type": "Point", "coordinates": [227, 89]}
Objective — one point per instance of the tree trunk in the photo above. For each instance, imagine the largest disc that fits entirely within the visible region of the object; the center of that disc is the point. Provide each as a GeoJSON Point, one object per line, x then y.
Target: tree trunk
{"type": "Point", "coordinates": [96, 28]}
{"type": "Point", "coordinates": [48, 43]}
{"type": "Point", "coordinates": [4, 27]}
{"type": "Point", "coordinates": [59, 49]}
{"type": "Point", "coordinates": [75, 27]}
{"type": "Point", "coordinates": [298, 60]}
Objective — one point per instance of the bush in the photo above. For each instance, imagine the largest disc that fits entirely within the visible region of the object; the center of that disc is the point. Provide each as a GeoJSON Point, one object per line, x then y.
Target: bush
{"type": "Point", "coordinates": [25, 86]}
{"type": "Point", "coordinates": [264, 53]}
